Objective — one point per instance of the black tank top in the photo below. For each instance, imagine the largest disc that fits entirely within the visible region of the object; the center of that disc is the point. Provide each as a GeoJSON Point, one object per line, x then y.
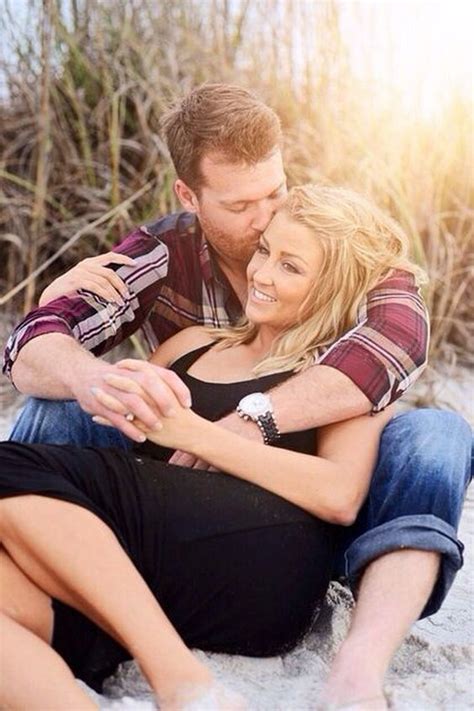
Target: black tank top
{"type": "Point", "coordinates": [214, 400]}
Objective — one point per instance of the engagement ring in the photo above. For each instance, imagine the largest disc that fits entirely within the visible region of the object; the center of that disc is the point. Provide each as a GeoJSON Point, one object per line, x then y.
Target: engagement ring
{"type": "Point", "coordinates": [129, 416]}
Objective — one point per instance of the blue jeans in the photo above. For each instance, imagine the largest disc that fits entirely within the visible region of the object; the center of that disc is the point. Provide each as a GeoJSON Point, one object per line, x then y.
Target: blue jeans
{"type": "Point", "coordinates": [63, 422]}
{"type": "Point", "coordinates": [415, 498]}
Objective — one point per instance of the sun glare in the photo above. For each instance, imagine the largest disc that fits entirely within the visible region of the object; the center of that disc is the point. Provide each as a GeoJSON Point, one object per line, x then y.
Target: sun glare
{"type": "Point", "coordinates": [419, 51]}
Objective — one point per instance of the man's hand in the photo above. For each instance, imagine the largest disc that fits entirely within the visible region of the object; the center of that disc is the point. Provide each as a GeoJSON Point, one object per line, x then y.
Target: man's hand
{"type": "Point", "coordinates": [232, 423]}
{"type": "Point", "coordinates": [91, 274]}
{"type": "Point", "coordinates": [131, 395]}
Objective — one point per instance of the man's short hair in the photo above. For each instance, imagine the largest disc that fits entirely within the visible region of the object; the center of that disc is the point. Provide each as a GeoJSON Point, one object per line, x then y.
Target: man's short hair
{"type": "Point", "coordinates": [223, 119]}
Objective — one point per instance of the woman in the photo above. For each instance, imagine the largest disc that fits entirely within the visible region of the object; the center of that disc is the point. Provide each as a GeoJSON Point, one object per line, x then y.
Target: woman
{"type": "Point", "coordinates": [108, 554]}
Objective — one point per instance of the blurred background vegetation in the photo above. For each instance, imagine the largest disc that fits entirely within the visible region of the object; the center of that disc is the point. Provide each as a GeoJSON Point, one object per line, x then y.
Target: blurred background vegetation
{"type": "Point", "coordinates": [81, 160]}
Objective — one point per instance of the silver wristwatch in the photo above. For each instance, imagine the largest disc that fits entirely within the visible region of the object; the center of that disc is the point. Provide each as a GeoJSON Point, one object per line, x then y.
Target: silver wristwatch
{"type": "Point", "coordinates": [258, 408]}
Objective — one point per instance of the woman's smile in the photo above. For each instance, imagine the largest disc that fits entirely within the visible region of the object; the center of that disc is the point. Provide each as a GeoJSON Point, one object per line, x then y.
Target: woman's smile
{"type": "Point", "coordinates": [260, 296]}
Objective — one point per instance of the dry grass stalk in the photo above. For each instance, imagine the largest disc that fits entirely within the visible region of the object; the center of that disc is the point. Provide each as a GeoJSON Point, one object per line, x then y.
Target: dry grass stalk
{"type": "Point", "coordinates": [43, 148]}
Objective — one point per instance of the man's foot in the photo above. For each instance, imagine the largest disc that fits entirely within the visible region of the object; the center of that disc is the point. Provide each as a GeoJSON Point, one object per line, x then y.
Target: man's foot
{"type": "Point", "coordinates": [354, 683]}
{"type": "Point", "coordinates": [214, 697]}
{"type": "Point", "coordinates": [373, 703]}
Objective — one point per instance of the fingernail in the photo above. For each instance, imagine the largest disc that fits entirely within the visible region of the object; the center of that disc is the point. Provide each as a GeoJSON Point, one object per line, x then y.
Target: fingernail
{"type": "Point", "coordinates": [141, 439]}
{"type": "Point", "coordinates": [94, 390]}
{"type": "Point", "coordinates": [189, 402]}
{"type": "Point", "coordinates": [158, 426]}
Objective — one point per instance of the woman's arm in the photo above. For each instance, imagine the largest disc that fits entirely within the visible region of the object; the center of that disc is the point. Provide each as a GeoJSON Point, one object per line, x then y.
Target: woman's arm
{"type": "Point", "coordinates": [331, 485]}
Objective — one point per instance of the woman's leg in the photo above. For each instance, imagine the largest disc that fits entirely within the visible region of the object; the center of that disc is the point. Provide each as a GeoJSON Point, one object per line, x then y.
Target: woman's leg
{"type": "Point", "coordinates": [70, 554]}
{"type": "Point", "coordinates": [33, 676]}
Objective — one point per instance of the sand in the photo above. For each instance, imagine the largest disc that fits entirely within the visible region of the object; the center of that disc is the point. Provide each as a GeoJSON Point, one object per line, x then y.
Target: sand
{"type": "Point", "coordinates": [432, 670]}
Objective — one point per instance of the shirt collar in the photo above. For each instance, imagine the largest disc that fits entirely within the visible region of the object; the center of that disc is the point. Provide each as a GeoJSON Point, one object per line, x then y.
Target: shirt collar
{"type": "Point", "coordinates": [209, 264]}
{"type": "Point", "coordinates": [213, 274]}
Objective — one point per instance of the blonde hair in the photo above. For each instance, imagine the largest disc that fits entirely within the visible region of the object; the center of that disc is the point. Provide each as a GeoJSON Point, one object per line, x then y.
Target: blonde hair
{"type": "Point", "coordinates": [361, 246]}
{"type": "Point", "coordinates": [221, 119]}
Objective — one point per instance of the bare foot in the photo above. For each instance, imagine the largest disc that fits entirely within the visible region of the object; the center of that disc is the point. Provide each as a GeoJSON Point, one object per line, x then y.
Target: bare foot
{"type": "Point", "coordinates": [354, 684]}
{"type": "Point", "coordinates": [214, 697]}
{"type": "Point", "coordinates": [372, 703]}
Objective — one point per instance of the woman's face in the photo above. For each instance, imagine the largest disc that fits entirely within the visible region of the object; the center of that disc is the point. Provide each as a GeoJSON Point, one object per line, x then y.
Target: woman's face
{"type": "Point", "coordinates": [281, 273]}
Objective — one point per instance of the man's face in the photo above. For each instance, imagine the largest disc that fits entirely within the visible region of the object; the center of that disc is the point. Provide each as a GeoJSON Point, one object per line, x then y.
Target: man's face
{"type": "Point", "coordinates": [237, 202]}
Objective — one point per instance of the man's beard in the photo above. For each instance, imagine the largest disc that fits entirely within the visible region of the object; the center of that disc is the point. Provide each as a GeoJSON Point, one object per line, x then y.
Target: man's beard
{"type": "Point", "coordinates": [227, 245]}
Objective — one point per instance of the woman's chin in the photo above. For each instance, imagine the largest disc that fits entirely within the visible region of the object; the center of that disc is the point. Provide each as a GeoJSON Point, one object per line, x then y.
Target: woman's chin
{"type": "Point", "coordinates": [255, 317]}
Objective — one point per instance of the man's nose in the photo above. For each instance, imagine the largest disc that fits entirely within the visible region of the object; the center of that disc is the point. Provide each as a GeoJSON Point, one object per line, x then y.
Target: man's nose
{"type": "Point", "coordinates": [265, 211]}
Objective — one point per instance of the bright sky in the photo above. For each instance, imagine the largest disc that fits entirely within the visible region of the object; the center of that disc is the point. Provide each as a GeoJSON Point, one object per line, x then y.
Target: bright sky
{"type": "Point", "coordinates": [420, 49]}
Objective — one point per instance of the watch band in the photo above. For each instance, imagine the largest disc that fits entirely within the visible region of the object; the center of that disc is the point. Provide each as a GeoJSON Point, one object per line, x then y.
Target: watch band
{"type": "Point", "coordinates": [268, 428]}
{"type": "Point", "coordinates": [266, 424]}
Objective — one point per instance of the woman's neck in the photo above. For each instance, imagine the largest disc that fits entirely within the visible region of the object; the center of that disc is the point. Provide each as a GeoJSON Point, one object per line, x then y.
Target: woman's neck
{"type": "Point", "coordinates": [263, 341]}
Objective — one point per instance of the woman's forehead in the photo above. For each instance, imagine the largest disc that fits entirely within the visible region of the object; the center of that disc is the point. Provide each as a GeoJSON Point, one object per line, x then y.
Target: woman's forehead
{"type": "Point", "coordinates": [287, 235]}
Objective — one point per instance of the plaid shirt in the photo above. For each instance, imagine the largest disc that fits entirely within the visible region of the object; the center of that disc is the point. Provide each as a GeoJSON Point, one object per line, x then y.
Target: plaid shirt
{"type": "Point", "coordinates": [177, 283]}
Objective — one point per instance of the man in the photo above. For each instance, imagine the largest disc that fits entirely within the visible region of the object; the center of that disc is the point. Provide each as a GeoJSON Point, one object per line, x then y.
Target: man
{"type": "Point", "coordinates": [189, 268]}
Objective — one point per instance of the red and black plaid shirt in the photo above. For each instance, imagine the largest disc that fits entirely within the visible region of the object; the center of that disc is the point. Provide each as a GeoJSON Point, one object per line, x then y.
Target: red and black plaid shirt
{"type": "Point", "coordinates": [176, 283]}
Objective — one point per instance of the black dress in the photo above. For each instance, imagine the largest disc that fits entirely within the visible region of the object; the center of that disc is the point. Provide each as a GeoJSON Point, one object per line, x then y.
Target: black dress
{"type": "Point", "coordinates": [236, 568]}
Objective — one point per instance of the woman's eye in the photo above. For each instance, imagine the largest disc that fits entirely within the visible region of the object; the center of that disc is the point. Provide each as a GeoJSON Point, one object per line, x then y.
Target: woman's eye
{"type": "Point", "coordinates": [289, 267]}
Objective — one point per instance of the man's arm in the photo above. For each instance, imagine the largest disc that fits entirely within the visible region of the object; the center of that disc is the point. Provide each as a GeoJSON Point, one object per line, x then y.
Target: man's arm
{"type": "Point", "coordinates": [93, 322]}
{"type": "Point", "coordinates": [316, 397]}
{"type": "Point", "coordinates": [57, 365]}
{"type": "Point", "coordinates": [52, 351]}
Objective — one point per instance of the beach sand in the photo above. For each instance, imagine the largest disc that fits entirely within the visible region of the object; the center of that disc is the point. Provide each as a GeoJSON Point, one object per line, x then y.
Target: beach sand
{"type": "Point", "coordinates": [432, 670]}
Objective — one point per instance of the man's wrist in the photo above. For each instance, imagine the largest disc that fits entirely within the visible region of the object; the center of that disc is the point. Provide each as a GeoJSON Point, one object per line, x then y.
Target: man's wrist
{"type": "Point", "coordinates": [258, 408]}
{"type": "Point", "coordinates": [84, 371]}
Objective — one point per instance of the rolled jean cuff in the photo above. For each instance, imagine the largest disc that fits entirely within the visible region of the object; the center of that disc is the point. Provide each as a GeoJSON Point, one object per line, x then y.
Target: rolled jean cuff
{"type": "Point", "coordinates": [421, 532]}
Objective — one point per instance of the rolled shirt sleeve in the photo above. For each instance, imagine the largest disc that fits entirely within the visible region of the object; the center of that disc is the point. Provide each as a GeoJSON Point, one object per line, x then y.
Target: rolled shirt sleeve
{"type": "Point", "coordinates": [386, 351]}
{"type": "Point", "coordinates": [99, 325]}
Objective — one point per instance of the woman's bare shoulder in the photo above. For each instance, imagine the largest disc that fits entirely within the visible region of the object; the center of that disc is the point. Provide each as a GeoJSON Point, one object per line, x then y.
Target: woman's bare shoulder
{"type": "Point", "coordinates": [186, 340]}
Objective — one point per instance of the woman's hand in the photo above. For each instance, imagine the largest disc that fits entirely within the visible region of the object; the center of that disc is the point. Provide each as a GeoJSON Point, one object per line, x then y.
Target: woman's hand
{"type": "Point", "coordinates": [91, 274]}
{"type": "Point", "coordinates": [178, 427]}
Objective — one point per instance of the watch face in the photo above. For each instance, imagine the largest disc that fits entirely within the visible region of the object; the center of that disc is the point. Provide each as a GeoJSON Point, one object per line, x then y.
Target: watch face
{"type": "Point", "coordinates": [255, 404]}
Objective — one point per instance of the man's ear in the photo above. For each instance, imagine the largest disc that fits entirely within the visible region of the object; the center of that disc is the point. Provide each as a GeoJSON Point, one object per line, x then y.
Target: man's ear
{"type": "Point", "coordinates": [186, 196]}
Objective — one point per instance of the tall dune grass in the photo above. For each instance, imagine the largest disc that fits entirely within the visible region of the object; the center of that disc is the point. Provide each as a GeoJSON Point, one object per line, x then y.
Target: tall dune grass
{"type": "Point", "coordinates": [86, 85]}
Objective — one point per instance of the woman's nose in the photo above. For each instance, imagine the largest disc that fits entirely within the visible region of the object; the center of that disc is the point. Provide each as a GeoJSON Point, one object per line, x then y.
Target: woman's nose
{"type": "Point", "coordinates": [264, 274]}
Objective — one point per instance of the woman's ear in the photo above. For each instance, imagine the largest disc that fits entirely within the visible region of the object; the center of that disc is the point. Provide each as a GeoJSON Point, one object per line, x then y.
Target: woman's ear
{"type": "Point", "coordinates": [186, 196]}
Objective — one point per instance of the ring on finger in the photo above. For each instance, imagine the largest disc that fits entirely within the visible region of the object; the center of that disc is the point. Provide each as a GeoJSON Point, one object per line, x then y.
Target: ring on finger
{"type": "Point", "coordinates": [129, 416]}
